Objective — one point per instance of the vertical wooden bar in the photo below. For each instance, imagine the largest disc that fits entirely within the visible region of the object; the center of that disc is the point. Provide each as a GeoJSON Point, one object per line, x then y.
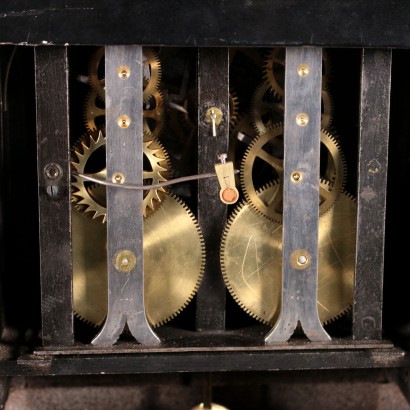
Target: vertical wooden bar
{"type": "Point", "coordinates": [303, 84]}
{"type": "Point", "coordinates": [371, 197]}
{"type": "Point", "coordinates": [53, 153]}
{"type": "Point", "coordinates": [124, 152]}
{"type": "Point", "coordinates": [213, 91]}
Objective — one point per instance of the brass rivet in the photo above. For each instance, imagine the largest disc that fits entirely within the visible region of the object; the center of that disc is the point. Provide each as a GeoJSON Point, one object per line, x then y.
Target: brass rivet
{"type": "Point", "coordinates": [296, 177]}
{"type": "Point", "coordinates": [125, 261]}
{"type": "Point", "coordinates": [124, 121]}
{"type": "Point", "coordinates": [302, 119]}
{"type": "Point", "coordinates": [118, 178]}
{"type": "Point", "coordinates": [300, 259]}
{"type": "Point", "coordinates": [303, 70]}
{"type": "Point", "coordinates": [123, 72]}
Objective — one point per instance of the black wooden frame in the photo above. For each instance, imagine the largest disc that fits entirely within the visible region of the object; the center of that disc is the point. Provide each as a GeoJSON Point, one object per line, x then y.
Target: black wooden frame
{"type": "Point", "coordinates": [51, 32]}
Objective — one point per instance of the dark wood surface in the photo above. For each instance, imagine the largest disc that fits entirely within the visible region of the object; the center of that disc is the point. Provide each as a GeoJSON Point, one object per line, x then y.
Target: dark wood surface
{"type": "Point", "coordinates": [371, 196]}
{"type": "Point", "coordinates": [212, 23]}
{"type": "Point", "coordinates": [213, 91]}
{"type": "Point", "coordinates": [53, 153]}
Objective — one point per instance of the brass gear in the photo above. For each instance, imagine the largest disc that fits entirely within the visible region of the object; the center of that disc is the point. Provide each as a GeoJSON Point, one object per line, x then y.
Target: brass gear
{"type": "Point", "coordinates": [151, 72]}
{"type": "Point", "coordinates": [251, 259]}
{"type": "Point", "coordinates": [267, 150]}
{"type": "Point", "coordinates": [169, 285]}
{"type": "Point", "coordinates": [92, 198]}
{"type": "Point", "coordinates": [233, 107]}
{"type": "Point", "coordinates": [94, 111]}
{"type": "Point", "coordinates": [267, 110]}
{"type": "Point", "coordinates": [274, 70]}
{"type": "Point", "coordinates": [153, 113]}
{"type": "Point", "coordinates": [96, 72]}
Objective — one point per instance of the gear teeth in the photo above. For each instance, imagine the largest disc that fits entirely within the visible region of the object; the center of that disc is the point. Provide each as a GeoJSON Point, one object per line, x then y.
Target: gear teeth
{"type": "Point", "coordinates": [256, 110]}
{"type": "Point", "coordinates": [233, 107]}
{"type": "Point", "coordinates": [97, 82]}
{"type": "Point", "coordinates": [202, 265]}
{"type": "Point", "coordinates": [155, 74]}
{"type": "Point", "coordinates": [93, 110]}
{"type": "Point", "coordinates": [157, 114]}
{"type": "Point", "coordinates": [225, 276]}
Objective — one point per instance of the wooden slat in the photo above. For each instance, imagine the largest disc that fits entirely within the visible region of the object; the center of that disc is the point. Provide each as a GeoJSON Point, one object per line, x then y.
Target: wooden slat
{"type": "Point", "coordinates": [213, 91]}
{"type": "Point", "coordinates": [53, 152]}
{"type": "Point", "coordinates": [371, 197]}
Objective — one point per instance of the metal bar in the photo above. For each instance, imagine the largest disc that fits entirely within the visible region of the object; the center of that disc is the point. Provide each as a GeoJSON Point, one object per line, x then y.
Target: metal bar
{"type": "Point", "coordinates": [371, 198]}
{"type": "Point", "coordinates": [303, 79]}
{"type": "Point", "coordinates": [124, 152]}
{"type": "Point", "coordinates": [213, 91]}
{"type": "Point", "coordinates": [53, 153]}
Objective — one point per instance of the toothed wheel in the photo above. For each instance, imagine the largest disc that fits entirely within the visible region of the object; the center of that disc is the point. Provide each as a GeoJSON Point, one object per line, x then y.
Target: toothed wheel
{"type": "Point", "coordinates": [169, 285]}
{"type": "Point", "coordinates": [274, 70]}
{"type": "Point", "coordinates": [96, 72]}
{"type": "Point", "coordinates": [91, 160]}
{"type": "Point", "coordinates": [251, 259]}
{"type": "Point", "coordinates": [94, 111]}
{"type": "Point", "coordinates": [153, 113]}
{"type": "Point", "coordinates": [233, 107]}
{"type": "Point", "coordinates": [266, 109]}
{"type": "Point", "coordinates": [151, 72]}
{"type": "Point", "coordinates": [263, 162]}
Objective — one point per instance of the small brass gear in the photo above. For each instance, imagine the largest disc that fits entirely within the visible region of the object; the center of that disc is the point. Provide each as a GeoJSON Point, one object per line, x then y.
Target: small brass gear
{"type": "Point", "coordinates": [251, 259]}
{"type": "Point", "coordinates": [233, 107]}
{"type": "Point", "coordinates": [267, 110]}
{"type": "Point", "coordinates": [153, 113]}
{"type": "Point", "coordinates": [94, 111]}
{"type": "Point", "coordinates": [96, 72]}
{"type": "Point", "coordinates": [151, 72]}
{"type": "Point", "coordinates": [91, 160]}
{"type": "Point", "coordinates": [80, 160]}
{"type": "Point", "coordinates": [263, 162]}
{"type": "Point", "coordinates": [274, 70]}
{"type": "Point", "coordinates": [169, 285]}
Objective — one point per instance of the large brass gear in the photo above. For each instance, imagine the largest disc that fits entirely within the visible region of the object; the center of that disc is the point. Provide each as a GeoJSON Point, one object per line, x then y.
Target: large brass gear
{"type": "Point", "coordinates": [263, 162]}
{"type": "Point", "coordinates": [91, 198]}
{"type": "Point", "coordinates": [151, 72]}
{"type": "Point", "coordinates": [251, 259]}
{"type": "Point", "coordinates": [174, 260]}
{"type": "Point", "coordinates": [274, 70]}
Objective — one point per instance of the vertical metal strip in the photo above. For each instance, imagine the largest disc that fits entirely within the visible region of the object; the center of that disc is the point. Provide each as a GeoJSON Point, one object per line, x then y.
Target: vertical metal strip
{"type": "Point", "coordinates": [303, 76]}
{"type": "Point", "coordinates": [371, 198]}
{"type": "Point", "coordinates": [53, 153]}
{"type": "Point", "coordinates": [213, 91]}
{"type": "Point", "coordinates": [124, 125]}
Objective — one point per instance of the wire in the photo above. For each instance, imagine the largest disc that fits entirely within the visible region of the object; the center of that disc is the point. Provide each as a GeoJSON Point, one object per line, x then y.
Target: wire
{"type": "Point", "coordinates": [146, 187]}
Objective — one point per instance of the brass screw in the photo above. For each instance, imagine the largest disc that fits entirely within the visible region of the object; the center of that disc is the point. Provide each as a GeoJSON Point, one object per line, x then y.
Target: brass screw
{"type": "Point", "coordinates": [125, 261]}
{"type": "Point", "coordinates": [303, 70]}
{"type": "Point", "coordinates": [296, 177]}
{"type": "Point", "coordinates": [123, 72]}
{"type": "Point", "coordinates": [300, 259]}
{"type": "Point", "coordinates": [124, 121]}
{"type": "Point", "coordinates": [118, 178]}
{"type": "Point", "coordinates": [302, 119]}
